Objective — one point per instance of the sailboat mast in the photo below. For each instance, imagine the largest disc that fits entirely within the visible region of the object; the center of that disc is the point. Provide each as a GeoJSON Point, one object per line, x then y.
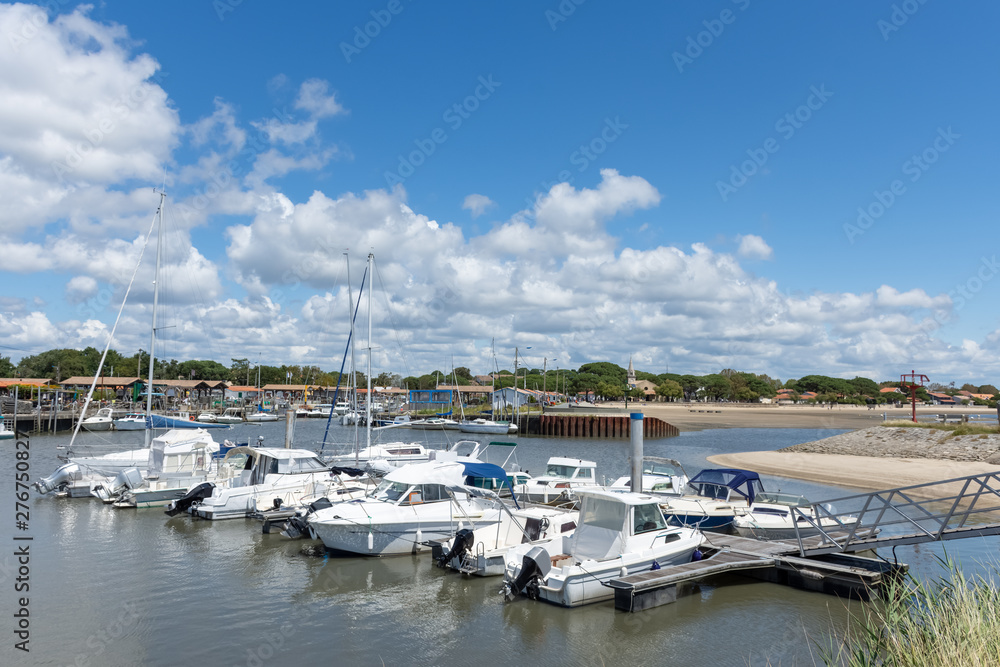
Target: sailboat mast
{"type": "Point", "coordinates": [368, 396]}
{"type": "Point", "coordinates": [152, 333]}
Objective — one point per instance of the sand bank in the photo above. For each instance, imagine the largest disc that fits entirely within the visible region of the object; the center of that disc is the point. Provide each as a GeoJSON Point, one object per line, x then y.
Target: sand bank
{"type": "Point", "coordinates": [862, 472]}
{"type": "Point", "coordinates": [698, 416]}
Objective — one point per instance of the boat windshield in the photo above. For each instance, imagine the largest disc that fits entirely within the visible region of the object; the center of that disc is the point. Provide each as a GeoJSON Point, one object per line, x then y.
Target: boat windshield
{"type": "Point", "coordinates": [390, 492]}
{"type": "Point", "coordinates": [306, 465]}
{"type": "Point", "coordinates": [650, 468]}
{"type": "Point", "coordinates": [787, 499]}
{"type": "Point", "coordinates": [648, 518]}
{"type": "Point", "coordinates": [554, 470]}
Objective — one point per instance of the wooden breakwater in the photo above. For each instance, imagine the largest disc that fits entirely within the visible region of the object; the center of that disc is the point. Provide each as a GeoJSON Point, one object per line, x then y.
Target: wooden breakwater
{"type": "Point", "coordinates": [593, 426]}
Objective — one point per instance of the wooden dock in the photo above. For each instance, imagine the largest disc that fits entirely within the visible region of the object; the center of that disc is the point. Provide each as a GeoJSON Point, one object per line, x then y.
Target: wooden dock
{"type": "Point", "coordinates": [775, 562]}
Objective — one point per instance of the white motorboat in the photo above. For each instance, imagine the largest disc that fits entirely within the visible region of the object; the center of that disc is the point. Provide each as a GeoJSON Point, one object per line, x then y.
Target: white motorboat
{"type": "Point", "coordinates": [414, 504]}
{"type": "Point", "coordinates": [208, 418]}
{"type": "Point", "coordinates": [257, 478]}
{"type": "Point", "coordinates": [563, 477]}
{"type": "Point", "coordinates": [715, 496]}
{"type": "Point", "coordinates": [786, 516]}
{"type": "Point", "coordinates": [487, 426]}
{"type": "Point", "coordinates": [262, 417]}
{"type": "Point", "coordinates": [435, 424]}
{"type": "Point", "coordinates": [102, 421]}
{"type": "Point", "coordinates": [342, 407]}
{"type": "Point", "coordinates": [619, 534]}
{"type": "Point", "coordinates": [660, 477]}
{"type": "Point", "coordinates": [481, 553]}
{"type": "Point", "coordinates": [133, 421]}
{"type": "Point", "coordinates": [231, 416]}
{"type": "Point", "coordinates": [177, 459]}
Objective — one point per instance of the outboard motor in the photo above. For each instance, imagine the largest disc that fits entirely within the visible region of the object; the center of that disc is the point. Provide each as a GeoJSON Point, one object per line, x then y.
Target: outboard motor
{"type": "Point", "coordinates": [194, 495]}
{"type": "Point", "coordinates": [295, 527]}
{"type": "Point", "coordinates": [464, 539]}
{"type": "Point", "coordinates": [535, 565]}
{"type": "Point", "coordinates": [129, 478]}
{"type": "Point", "coordinates": [62, 476]}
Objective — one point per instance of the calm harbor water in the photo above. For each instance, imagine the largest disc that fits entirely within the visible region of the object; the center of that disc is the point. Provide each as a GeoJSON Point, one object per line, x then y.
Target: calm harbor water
{"type": "Point", "coordinates": [132, 587]}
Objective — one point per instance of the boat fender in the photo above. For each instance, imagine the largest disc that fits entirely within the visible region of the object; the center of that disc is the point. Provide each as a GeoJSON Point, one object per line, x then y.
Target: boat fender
{"type": "Point", "coordinates": [697, 555]}
{"type": "Point", "coordinates": [464, 539]}
{"type": "Point", "coordinates": [655, 566]}
{"type": "Point", "coordinates": [371, 541]}
{"type": "Point", "coordinates": [194, 495]}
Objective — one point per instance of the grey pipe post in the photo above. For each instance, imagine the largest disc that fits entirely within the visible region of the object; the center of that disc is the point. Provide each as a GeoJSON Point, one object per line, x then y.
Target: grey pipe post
{"type": "Point", "coordinates": [635, 428]}
{"type": "Point", "coordinates": [289, 428]}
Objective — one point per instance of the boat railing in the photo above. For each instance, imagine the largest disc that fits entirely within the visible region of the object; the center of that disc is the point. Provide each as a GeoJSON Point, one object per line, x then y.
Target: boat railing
{"type": "Point", "coordinates": [927, 512]}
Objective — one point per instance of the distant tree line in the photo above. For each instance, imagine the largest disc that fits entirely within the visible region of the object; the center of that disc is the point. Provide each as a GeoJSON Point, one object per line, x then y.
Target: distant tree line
{"type": "Point", "coordinates": [600, 379]}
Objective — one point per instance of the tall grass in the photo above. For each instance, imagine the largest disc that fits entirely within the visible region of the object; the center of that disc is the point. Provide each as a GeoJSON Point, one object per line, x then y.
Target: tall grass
{"type": "Point", "coordinates": [952, 621]}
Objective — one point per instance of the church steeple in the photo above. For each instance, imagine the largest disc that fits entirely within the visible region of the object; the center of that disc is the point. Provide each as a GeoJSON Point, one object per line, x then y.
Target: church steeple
{"type": "Point", "coordinates": [631, 373]}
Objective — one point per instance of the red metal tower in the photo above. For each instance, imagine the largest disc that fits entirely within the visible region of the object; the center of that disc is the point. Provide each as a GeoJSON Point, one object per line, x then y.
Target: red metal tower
{"type": "Point", "coordinates": [915, 380]}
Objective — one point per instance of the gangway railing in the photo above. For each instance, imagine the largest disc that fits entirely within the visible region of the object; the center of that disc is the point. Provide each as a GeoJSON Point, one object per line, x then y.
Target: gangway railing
{"type": "Point", "coordinates": [934, 511]}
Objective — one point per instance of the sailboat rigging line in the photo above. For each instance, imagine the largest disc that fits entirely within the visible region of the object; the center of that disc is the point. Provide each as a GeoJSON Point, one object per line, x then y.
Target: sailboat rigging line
{"type": "Point", "coordinates": [111, 335]}
{"type": "Point", "coordinates": [336, 391]}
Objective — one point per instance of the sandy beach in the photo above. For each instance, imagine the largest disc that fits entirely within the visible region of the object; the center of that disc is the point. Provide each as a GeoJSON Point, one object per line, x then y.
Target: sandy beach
{"type": "Point", "coordinates": [698, 416]}
{"type": "Point", "coordinates": [870, 457]}
{"type": "Point", "coordinates": [862, 472]}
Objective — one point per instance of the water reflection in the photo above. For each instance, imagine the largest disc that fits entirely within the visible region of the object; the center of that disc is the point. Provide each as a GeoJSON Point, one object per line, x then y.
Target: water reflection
{"type": "Point", "coordinates": [223, 592]}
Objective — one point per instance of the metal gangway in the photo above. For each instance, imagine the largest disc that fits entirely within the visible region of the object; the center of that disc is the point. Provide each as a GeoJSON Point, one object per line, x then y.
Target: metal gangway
{"type": "Point", "coordinates": [950, 509]}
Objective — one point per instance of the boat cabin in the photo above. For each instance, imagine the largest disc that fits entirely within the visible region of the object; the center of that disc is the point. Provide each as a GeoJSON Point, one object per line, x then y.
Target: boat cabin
{"type": "Point", "coordinates": [261, 462]}
{"type": "Point", "coordinates": [420, 483]}
{"type": "Point", "coordinates": [575, 469]}
{"type": "Point", "coordinates": [181, 451]}
{"type": "Point", "coordinates": [609, 520]}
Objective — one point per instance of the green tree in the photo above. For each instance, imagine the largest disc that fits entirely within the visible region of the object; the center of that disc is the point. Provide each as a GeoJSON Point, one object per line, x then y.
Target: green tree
{"type": "Point", "coordinates": [7, 369]}
{"type": "Point", "coordinates": [669, 389]}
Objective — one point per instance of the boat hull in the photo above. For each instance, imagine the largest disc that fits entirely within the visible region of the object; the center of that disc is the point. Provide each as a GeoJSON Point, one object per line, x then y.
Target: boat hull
{"type": "Point", "coordinates": [390, 539]}
{"type": "Point", "coordinates": [97, 426]}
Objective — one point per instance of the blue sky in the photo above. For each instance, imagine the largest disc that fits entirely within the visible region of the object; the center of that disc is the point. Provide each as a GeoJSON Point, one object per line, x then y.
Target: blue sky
{"type": "Point", "coordinates": [714, 158]}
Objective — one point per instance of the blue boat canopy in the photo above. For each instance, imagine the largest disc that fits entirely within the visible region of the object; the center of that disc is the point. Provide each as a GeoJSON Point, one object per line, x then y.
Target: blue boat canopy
{"type": "Point", "coordinates": [744, 482]}
{"type": "Point", "coordinates": [488, 471]}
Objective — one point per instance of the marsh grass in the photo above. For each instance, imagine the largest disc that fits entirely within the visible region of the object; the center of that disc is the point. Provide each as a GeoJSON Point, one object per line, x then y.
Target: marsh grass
{"type": "Point", "coordinates": [952, 621]}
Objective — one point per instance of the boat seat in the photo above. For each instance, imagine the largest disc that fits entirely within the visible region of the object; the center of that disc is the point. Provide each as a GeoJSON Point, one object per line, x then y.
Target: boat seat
{"type": "Point", "coordinates": [557, 561]}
